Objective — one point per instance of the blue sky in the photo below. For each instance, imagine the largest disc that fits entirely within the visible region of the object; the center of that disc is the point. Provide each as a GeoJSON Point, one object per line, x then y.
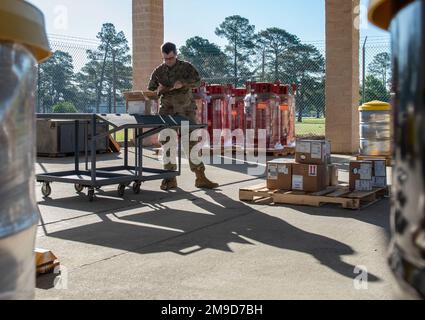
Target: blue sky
{"type": "Point", "coordinates": [187, 18]}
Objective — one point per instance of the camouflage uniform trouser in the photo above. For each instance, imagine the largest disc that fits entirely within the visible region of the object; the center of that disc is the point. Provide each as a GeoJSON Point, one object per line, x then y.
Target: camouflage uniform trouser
{"type": "Point", "coordinates": [180, 105]}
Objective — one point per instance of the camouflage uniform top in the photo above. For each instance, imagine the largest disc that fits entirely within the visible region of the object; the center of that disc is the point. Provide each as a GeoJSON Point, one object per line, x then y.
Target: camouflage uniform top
{"type": "Point", "coordinates": [167, 76]}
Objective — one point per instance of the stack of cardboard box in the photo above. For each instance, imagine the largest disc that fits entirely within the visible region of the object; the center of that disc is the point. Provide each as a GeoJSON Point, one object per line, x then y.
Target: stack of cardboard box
{"type": "Point", "coordinates": [367, 175]}
{"type": "Point", "coordinates": [312, 170]}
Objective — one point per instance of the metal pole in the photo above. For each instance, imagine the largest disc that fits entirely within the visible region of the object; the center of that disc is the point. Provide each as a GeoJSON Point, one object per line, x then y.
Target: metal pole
{"type": "Point", "coordinates": [114, 80]}
{"type": "Point", "coordinates": [364, 71]}
{"type": "Point", "coordinates": [77, 146]}
{"type": "Point", "coordinates": [93, 149]}
{"type": "Point", "coordinates": [140, 160]}
{"type": "Point", "coordinates": [86, 147]}
{"type": "Point", "coordinates": [114, 89]}
{"type": "Point", "coordinates": [263, 74]}
{"type": "Point", "coordinates": [126, 148]}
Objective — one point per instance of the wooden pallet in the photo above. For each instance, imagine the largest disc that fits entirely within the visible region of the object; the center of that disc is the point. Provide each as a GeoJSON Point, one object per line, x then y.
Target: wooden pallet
{"type": "Point", "coordinates": [288, 151]}
{"type": "Point", "coordinates": [388, 159]}
{"type": "Point", "coordinates": [114, 146]}
{"type": "Point", "coordinates": [340, 195]}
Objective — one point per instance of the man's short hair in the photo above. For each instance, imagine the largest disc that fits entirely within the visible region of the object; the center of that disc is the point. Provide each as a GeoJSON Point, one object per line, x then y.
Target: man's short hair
{"type": "Point", "coordinates": [169, 47]}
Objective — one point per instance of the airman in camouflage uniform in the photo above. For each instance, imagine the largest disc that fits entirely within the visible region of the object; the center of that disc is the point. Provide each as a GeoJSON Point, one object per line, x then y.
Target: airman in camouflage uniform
{"type": "Point", "coordinates": [174, 81]}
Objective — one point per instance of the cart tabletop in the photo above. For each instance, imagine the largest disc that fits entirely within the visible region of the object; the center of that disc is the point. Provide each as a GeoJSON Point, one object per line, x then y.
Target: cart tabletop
{"type": "Point", "coordinates": [126, 120]}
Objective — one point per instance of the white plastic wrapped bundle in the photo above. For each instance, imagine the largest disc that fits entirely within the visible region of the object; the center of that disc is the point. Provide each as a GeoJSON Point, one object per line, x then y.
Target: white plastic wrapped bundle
{"type": "Point", "coordinates": [18, 211]}
{"type": "Point", "coordinates": [23, 42]}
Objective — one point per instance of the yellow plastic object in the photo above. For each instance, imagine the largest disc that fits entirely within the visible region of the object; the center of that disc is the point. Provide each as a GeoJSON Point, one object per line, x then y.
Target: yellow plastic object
{"type": "Point", "coordinates": [376, 106]}
{"type": "Point", "coordinates": [381, 12]}
{"type": "Point", "coordinates": [23, 23]}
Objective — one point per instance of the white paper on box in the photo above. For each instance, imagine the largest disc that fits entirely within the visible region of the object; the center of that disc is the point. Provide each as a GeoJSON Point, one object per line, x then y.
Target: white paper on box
{"type": "Point", "coordinates": [365, 171]}
{"type": "Point", "coordinates": [379, 182]}
{"type": "Point", "coordinates": [316, 150]}
{"type": "Point", "coordinates": [272, 172]}
{"type": "Point", "coordinates": [380, 168]}
{"type": "Point", "coordinates": [297, 183]}
{"type": "Point", "coordinates": [364, 185]}
{"type": "Point", "coordinates": [328, 147]}
{"type": "Point", "coordinates": [283, 169]}
{"type": "Point", "coordinates": [327, 152]}
{"type": "Point", "coordinates": [136, 107]}
{"type": "Point", "coordinates": [303, 147]}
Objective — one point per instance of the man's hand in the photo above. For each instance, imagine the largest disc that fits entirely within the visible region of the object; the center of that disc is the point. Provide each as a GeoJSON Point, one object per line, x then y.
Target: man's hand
{"type": "Point", "coordinates": [178, 85]}
{"type": "Point", "coordinates": [162, 88]}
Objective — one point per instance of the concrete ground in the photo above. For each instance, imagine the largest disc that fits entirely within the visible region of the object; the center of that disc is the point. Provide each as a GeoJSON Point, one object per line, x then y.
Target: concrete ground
{"type": "Point", "coordinates": [195, 244]}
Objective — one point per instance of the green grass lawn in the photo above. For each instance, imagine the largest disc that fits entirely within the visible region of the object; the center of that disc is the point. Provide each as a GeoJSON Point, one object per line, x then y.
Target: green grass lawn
{"type": "Point", "coordinates": [120, 135]}
{"type": "Point", "coordinates": [310, 127]}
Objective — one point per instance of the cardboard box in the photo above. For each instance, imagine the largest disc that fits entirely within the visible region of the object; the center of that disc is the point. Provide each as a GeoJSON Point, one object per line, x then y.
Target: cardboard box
{"type": "Point", "coordinates": [361, 176]}
{"type": "Point", "coordinates": [333, 176]}
{"type": "Point", "coordinates": [313, 151]}
{"type": "Point", "coordinates": [309, 177]}
{"type": "Point", "coordinates": [279, 174]}
{"type": "Point", "coordinates": [379, 173]}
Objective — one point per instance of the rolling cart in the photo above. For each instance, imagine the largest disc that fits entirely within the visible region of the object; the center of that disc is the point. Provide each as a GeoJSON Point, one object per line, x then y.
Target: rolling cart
{"type": "Point", "coordinates": [93, 178]}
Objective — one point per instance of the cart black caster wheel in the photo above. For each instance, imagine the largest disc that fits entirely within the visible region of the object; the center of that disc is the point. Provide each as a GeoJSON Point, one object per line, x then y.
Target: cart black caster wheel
{"type": "Point", "coordinates": [136, 187]}
{"type": "Point", "coordinates": [79, 188]}
{"type": "Point", "coordinates": [121, 190]}
{"type": "Point", "coordinates": [90, 195]}
{"type": "Point", "coordinates": [46, 190]}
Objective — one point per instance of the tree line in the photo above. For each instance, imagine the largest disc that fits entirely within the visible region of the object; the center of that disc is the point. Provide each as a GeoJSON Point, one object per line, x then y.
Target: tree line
{"type": "Point", "coordinates": [101, 81]}
{"type": "Point", "coordinates": [267, 55]}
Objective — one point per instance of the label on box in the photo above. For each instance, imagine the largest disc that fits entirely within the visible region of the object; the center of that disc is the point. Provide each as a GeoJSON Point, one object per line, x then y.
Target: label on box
{"type": "Point", "coordinates": [303, 147]}
{"type": "Point", "coordinates": [283, 169]}
{"type": "Point", "coordinates": [327, 148]}
{"type": "Point", "coordinates": [312, 171]}
{"type": "Point", "coordinates": [379, 182]}
{"type": "Point", "coordinates": [316, 150]}
{"type": "Point", "coordinates": [137, 107]}
{"type": "Point", "coordinates": [380, 168]}
{"type": "Point", "coordinates": [364, 185]}
{"type": "Point", "coordinates": [327, 152]}
{"type": "Point", "coordinates": [298, 183]}
{"type": "Point", "coordinates": [365, 172]}
{"type": "Point", "coordinates": [272, 172]}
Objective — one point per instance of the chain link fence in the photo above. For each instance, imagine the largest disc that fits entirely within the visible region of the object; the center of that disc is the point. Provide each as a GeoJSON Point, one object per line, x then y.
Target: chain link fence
{"type": "Point", "coordinates": [80, 78]}
{"type": "Point", "coordinates": [375, 69]}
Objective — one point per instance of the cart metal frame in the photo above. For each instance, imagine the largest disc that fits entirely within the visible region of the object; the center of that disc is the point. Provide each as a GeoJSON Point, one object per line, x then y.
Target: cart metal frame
{"type": "Point", "coordinates": [95, 178]}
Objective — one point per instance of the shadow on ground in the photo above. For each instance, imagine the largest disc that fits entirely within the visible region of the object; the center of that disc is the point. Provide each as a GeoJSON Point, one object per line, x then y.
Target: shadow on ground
{"type": "Point", "coordinates": [217, 222]}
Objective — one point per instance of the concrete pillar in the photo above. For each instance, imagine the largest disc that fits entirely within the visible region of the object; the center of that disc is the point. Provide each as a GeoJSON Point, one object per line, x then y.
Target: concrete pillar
{"type": "Point", "coordinates": [148, 36]}
{"type": "Point", "coordinates": [342, 76]}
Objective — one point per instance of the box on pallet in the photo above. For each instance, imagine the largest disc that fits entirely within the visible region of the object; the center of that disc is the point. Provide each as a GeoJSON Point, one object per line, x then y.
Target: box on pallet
{"type": "Point", "coordinates": [279, 174]}
{"type": "Point", "coordinates": [361, 176]}
{"type": "Point", "coordinates": [309, 177]}
{"type": "Point", "coordinates": [313, 152]}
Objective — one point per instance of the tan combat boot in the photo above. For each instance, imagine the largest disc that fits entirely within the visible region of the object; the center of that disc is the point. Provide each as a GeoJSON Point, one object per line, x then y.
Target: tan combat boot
{"type": "Point", "coordinates": [169, 184]}
{"type": "Point", "coordinates": [202, 181]}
